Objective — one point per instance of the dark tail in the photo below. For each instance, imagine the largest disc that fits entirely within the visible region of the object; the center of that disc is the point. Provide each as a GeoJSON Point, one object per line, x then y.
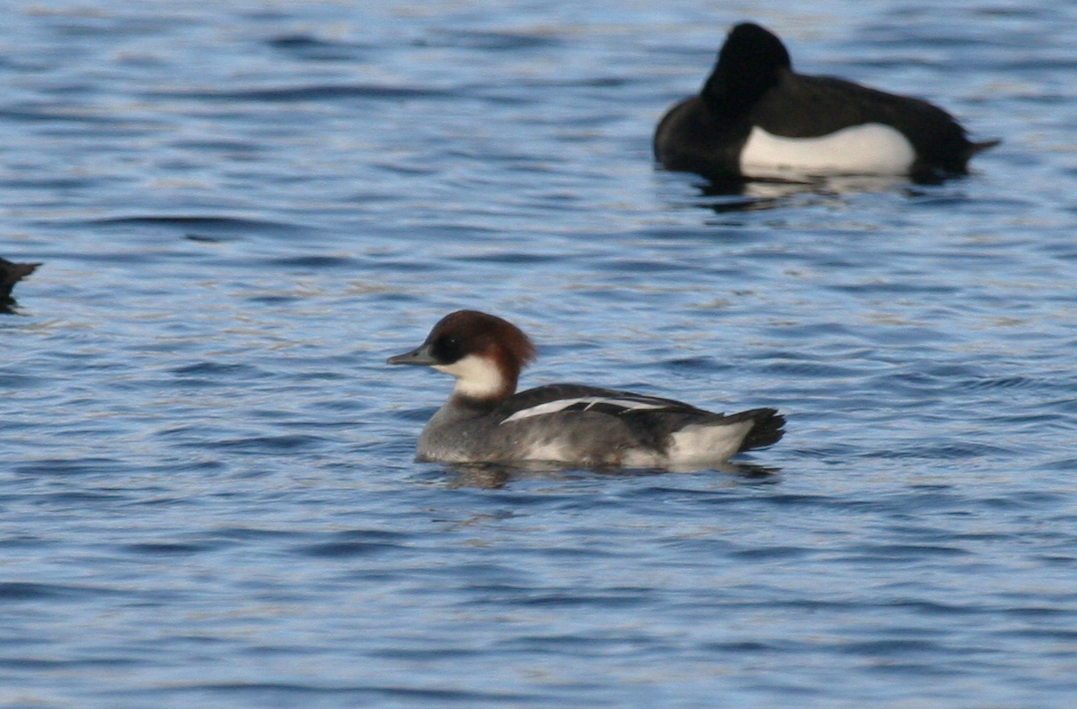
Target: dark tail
{"type": "Point", "coordinates": [766, 431]}
{"type": "Point", "coordinates": [11, 273]}
{"type": "Point", "coordinates": [980, 147]}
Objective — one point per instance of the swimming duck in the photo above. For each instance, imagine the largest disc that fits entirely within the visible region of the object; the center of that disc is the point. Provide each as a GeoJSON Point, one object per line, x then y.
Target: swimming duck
{"type": "Point", "coordinates": [757, 118]}
{"type": "Point", "coordinates": [485, 420]}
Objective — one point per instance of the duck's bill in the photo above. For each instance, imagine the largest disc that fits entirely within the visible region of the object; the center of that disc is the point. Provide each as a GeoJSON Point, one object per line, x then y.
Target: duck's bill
{"type": "Point", "coordinates": [416, 356]}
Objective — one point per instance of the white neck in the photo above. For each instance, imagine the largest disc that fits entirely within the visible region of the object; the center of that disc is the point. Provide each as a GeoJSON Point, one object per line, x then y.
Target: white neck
{"type": "Point", "coordinates": [477, 377]}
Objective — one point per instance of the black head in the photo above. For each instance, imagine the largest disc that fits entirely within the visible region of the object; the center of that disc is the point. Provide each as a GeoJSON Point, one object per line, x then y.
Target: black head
{"type": "Point", "coordinates": [749, 64]}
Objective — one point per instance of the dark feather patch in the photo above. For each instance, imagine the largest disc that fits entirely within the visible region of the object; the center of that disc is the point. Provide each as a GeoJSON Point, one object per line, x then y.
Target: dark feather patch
{"type": "Point", "coordinates": [768, 428]}
{"type": "Point", "coordinates": [649, 427]}
{"type": "Point", "coordinates": [556, 392]}
{"type": "Point", "coordinates": [601, 407]}
{"type": "Point", "coordinates": [11, 273]}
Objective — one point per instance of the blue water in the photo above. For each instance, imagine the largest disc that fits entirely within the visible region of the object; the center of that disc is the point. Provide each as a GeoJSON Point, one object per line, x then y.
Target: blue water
{"type": "Point", "coordinates": [207, 494]}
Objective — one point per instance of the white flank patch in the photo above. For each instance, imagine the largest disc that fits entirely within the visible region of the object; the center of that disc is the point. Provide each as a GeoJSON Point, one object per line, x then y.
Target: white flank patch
{"type": "Point", "coordinates": [552, 407]}
{"type": "Point", "coordinates": [700, 445]}
{"type": "Point", "coordinates": [870, 149]}
{"type": "Point", "coordinates": [476, 376]}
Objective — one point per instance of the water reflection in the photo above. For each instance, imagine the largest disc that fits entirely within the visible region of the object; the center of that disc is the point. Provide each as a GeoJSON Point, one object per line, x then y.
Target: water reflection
{"type": "Point", "coordinates": [494, 476]}
{"type": "Point", "coordinates": [732, 195]}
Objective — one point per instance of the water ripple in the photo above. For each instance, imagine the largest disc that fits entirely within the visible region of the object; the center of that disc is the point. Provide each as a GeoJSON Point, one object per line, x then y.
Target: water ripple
{"type": "Point", "coordinates": [208, 492]}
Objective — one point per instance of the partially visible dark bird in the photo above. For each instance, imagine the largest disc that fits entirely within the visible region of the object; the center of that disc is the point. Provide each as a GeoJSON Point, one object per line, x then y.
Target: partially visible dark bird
{"type": "Point", "coordinates": [10, 274]}
{"type": "Point", "coordinates": [757, 118]}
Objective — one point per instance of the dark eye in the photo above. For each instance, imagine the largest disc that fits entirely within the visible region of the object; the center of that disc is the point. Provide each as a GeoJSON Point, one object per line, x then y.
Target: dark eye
{"type": "Point", "coordinates": [446, 349]}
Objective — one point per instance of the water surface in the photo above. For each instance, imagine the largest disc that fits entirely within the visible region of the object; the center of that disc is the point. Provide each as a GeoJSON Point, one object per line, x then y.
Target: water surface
{"type": "Point", "coordinates": [207, 495]}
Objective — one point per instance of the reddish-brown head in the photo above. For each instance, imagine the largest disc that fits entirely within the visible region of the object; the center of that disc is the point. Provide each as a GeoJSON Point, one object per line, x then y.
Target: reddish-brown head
{"type": "Point", "coordinates": [484, 352]}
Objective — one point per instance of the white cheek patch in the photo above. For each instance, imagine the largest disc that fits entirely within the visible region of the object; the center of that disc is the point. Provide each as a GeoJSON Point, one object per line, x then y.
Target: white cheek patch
{"type": "Point", "coordinates": [870, 149]}
{"type": "Point", "coordinates": [476, 376]}
{"type": "Point", "coordinates": [582, 403]}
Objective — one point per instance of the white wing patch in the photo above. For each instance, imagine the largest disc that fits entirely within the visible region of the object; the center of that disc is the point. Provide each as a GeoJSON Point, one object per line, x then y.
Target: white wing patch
{"type": "Point", "coordinates": [552, 407]}
{"type": "Point", "coordinates": [869, 149]}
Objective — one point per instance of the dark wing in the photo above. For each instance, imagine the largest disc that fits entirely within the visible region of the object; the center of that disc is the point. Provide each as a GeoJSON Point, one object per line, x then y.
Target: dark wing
{"type": "Point", "coordinates": [557, 398]}
{"type": "Point", "coordinates": [810, 106]}
{"type": "Point", "coordinates": [612, 417]}
{"type": "Point", "coordinates": [651, 420]}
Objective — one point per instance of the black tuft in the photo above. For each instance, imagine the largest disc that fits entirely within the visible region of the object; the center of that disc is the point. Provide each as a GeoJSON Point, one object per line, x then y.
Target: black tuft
{"type": "Point", "coordinates": [750, 63]}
